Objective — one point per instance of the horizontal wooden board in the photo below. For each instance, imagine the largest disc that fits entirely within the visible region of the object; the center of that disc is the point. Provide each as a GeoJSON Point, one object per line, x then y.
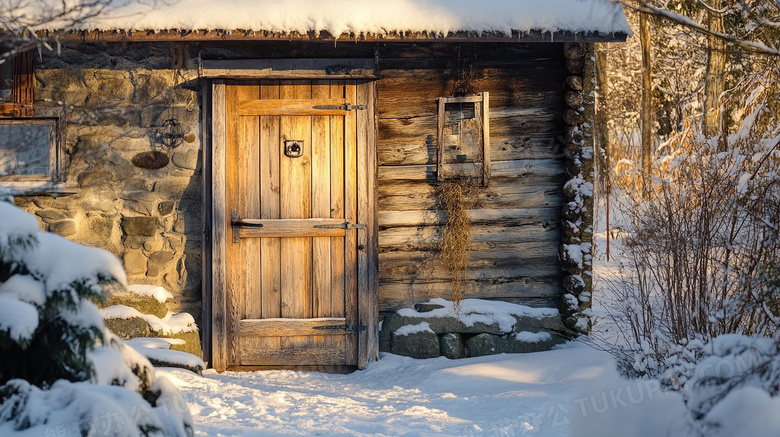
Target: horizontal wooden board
{"type": "Point", "coordinates": [536, 193]}
{"type": "Point", "coordinates": [251, 356]}
{"type": "Point", "coordinates": [507, 269]}
{"type": "Point", "coordinates": [394, 296]}
{"type": "Point", "coordinates": [427, 238]}
{"type": "Point", "coordinates": [495, 217]}
{"type": "Point", "coordinates": [483, 52]}
{"type": "Point", "coordinates": [517, 169]}
{"type": "Point", "coordinates": [289, 327]}
{"type": "Point", "coordinates": [306, 68]}
{"type": "Point", "coordinates": [291, 107]}
{"type": "Point", "coordinates": [272, 228]}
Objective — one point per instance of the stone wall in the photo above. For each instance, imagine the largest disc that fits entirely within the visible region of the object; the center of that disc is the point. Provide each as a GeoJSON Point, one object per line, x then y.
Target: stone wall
{"type": "Point", "coordinates": [113, 98]}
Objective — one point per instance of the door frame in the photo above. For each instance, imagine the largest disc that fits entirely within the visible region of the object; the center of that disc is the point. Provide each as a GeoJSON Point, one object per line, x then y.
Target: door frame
{"type": "Point", "coordinates": [217, 235]}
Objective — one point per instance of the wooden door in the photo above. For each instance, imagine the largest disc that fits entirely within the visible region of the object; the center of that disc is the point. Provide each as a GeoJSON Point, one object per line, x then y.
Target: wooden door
{"type": "Point", "coordinates": [299, 220]}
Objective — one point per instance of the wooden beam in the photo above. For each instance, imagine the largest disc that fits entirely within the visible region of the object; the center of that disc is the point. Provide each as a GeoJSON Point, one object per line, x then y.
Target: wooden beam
{"type": "Point", "coordinates": [275, 228]}
{"type": "Point", "coordinates": [293, 107]}
{"type": "Point", "coordinates": [290, 327]}
{"type": "Point", "coordinates": [283, 357]}
{"type": "Point", "coordinates": [311, 68]}
{"type": "Point", "coordinates": [219, 226]}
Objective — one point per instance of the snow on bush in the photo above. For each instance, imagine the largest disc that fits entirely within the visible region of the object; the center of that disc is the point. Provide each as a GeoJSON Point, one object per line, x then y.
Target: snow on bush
{"type": "Point", "coordinates": [61, 371]}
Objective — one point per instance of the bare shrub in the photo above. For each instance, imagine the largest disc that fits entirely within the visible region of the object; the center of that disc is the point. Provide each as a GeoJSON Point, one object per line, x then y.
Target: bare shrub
{"type": "Point", "coordinates": [703, 247]}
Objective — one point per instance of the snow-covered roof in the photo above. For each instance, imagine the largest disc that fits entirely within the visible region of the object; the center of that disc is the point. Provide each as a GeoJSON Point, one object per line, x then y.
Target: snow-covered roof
{"type": "Point", "coordinates": [365, 17]}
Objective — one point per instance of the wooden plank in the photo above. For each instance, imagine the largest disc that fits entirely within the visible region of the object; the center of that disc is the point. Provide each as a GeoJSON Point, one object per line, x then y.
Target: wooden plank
{"type": "Point", "coordinates": [495, 217]}
{"type": "Point", "coordinates": [279, 228]}
{"type": "Point", "coordinates": [517, 169]}
{"type": "Point", "coordinates": [351, 214]}
{"type": "Point", "coordinates": [417, 196]}
{"type": "Point", "coordinates": [428, 237]}
{"type": "Point", "coordinates": [311, 68]}
{"type": "Point", "coordinates": [320, 204]}
{"type": "Point", "coordinates": [440, 141]}
{"type": "Point", "coordinates": [506, 269]}
{"type": "Point", "coordinates": [219, 228]}
{"type": "Point", "coordinates": [249, 206]}
{"type": "Point", "coordinates": [206, 248]}
{"type": "Point", "coordinates": [486, 164]}
{"type": "Point", "coordinates": [298, 107]}
{"type": "Point", "coordinates": [337, 205]}
{"type": "Point", "coordinates": [296, 256]}
{"type": "Point", "coordinates": [291, 327]}
{"type": "Point", "coordinates": [367, 263]}
{"type": "Point", "coordinates": [401, 295]}
{"type": "Point", "coordinates": [284, 357]}
{"type": "Point", "coordinates": [236, 274]}
{"type": "Point", "coordinates": [270, 152]}
{"type": "Point", "coordinates": [372, 228]}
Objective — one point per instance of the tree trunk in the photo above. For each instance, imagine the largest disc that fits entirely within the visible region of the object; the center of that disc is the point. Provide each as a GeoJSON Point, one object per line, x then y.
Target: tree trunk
{"type": "Point", "coordinates": [714, 82]}
{"type": "Point", "coordinates": [647, 94]}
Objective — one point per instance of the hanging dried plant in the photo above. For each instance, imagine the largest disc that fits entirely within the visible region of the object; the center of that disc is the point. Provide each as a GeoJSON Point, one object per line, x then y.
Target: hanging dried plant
{"type": "Point", "coordinates": [456, 196]}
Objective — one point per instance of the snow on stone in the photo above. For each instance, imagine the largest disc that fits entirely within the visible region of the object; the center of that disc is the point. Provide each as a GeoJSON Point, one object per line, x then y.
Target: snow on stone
{"type": "Point", "coordinates": [481, 311]}
{"type": "Point", "coordinates": [61, 262]}
{"type": "Point", "coordinates": [160, 352]}
{"type": "Point", "coordinates": [19, 318]}
{"type": "Point", "coordinates": [25, 288]}
{"type": "Point", "coordinates": [170, 324]}
{"type": "Point", "coordinates": [532, 337]}
{"type": "Point", "coordinates": [155, 291]}
{"type": "Point", "coordinates": [362, 16]}
{"type": "Point", "coordinates": [413, 329]}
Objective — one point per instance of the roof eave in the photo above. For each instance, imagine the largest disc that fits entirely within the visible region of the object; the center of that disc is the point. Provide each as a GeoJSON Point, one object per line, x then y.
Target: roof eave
{"type": "Point", "coordinates": [390, 37]}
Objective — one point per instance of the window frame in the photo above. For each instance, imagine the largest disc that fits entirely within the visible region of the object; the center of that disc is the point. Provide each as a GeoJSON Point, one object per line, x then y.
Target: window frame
{"type": "Point", "coordinates": [20, 111]}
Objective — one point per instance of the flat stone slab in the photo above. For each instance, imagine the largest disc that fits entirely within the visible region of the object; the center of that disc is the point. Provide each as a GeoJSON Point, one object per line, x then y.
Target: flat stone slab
{"type": "Point", "coordinates": [524, 342]}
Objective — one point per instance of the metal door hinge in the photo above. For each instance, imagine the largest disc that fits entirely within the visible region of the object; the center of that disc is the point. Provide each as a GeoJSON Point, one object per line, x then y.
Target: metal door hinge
{"type": "Point", "coordinates": [347, 327]}
{"type": "Point", "coordinates": [346, 225]}
{"type": "Point", "coordinates": [345, 107]}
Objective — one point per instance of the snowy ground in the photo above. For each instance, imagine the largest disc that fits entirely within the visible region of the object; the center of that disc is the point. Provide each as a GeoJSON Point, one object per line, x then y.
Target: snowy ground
{"type": "Point", "coordinates": [503, 395]}
{"type": "Point", "coordinates": [572, 390]}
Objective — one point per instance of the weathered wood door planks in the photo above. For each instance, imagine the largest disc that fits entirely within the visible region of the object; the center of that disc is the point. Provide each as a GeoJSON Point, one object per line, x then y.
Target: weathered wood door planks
{"type": "Point", "coordinates": [292, 296]}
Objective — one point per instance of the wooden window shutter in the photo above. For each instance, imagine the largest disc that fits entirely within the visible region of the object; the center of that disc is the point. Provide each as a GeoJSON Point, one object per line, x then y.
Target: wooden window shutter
{"type": "Point", "coordinates": [22, 97]}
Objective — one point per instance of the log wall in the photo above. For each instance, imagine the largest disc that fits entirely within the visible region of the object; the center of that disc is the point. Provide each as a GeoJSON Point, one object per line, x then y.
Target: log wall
{"type": "Point", "coordinates": [516, 231]}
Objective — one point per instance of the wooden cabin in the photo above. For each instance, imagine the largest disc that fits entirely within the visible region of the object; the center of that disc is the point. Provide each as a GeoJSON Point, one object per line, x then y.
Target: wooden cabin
{"type": "Point", "coordinates": [282, 182]}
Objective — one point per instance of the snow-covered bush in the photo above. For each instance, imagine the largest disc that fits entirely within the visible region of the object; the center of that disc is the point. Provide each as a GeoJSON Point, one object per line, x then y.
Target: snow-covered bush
{"type": "Point", "coordinates": [702, 254]}
{"type": "Point", "coordinates": [61, 371]}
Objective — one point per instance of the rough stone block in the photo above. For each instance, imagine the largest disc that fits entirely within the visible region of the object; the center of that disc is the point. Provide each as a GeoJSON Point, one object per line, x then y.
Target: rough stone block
{"type": "Point", "coordinates": [128, 328]}
{"type": "Point", "coordinates": [187, 159]}
{"type": "Point", "coordinates": [135, 262]}
{"type": "Point", "coordinates": [524, 342]}
{"type": "Point", "coordinates": [97, 177]}
{"type": "Point", "coordinates": [50, 215]}
{"type": "Point", "coordinates": [157, 262]}
{"type": "Point", "coordinates": [63, 227]}
{"type": "Point", "coordinates": [451, 346]}
{"type": "Point", "coordinates": [483, 344]}
{"type": "Point", "coordinates": [421, 344]}
{"type": "Point", "coordinates": [144, 304]}
{"type": "Point", "coordinates": [165, 207]}
{"type": "Point", "coordinates": [101, 227]}
{"type": "Point", "coordinates": [143, 226]}
{"type": "Point", "coordinates": [191, 342]}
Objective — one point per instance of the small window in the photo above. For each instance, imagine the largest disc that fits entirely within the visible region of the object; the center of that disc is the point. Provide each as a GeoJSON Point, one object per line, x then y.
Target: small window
{"type": "Point", "coordinates": [28, 153]}
{"type": "Point", "coordinates": [463, 146]}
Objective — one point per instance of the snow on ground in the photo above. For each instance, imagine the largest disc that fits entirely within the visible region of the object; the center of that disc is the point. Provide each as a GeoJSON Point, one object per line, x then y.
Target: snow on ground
{"type": "Point", "coordinates": [514, 394]}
